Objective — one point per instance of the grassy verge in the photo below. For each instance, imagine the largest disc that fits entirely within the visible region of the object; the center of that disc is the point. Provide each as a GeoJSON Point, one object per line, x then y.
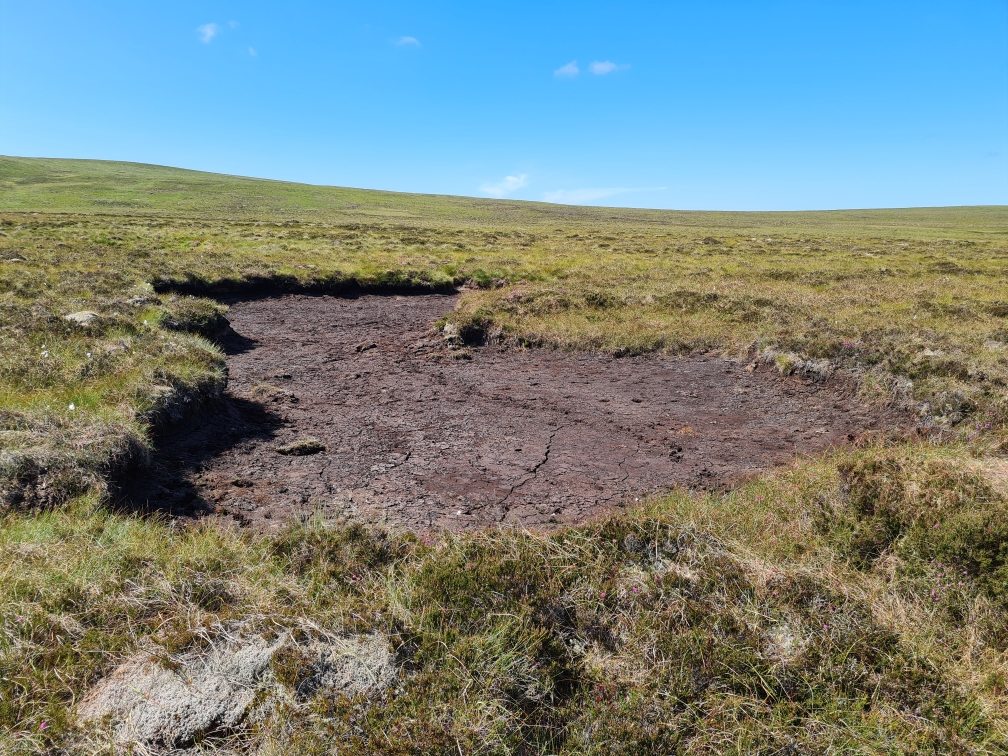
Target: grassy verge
{"type": "Point", "coordinates": [852, 603]}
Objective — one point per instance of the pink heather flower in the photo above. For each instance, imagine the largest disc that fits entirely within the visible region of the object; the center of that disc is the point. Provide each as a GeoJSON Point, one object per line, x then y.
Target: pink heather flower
{"type": "Point", "coordinates": [602, 595]}
{"type": "Point", "coordinates": [637, 590]}
{"type": "Point", "coordinates": [43, 725]}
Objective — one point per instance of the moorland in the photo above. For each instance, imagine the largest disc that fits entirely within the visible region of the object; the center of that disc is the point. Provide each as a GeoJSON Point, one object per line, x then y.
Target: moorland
{"type": "Point", "coordinates": [850, 601]}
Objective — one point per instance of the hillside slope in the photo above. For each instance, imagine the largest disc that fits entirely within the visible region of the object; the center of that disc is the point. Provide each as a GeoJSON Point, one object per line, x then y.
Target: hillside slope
{"type": "Point", "coordinates": [118, 188]}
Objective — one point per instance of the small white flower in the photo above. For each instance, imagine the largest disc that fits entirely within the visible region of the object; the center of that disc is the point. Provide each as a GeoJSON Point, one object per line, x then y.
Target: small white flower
{"type": "Point", "coordinates": [71, 407]}
{"type": "Point", "coordinates": [145, 322]}
{"type": "Point", "coordinates": [89, 355]}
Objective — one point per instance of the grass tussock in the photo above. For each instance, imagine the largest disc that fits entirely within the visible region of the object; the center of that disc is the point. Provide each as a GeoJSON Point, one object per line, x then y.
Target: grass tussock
{"type": "Point", "coordinates": [301, 447]}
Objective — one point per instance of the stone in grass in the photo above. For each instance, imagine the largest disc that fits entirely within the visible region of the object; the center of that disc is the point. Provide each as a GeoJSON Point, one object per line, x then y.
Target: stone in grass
{"type": "Point", "coordinates": [84, 317]}
{"type": "Point", "coordinates": [302, 447]}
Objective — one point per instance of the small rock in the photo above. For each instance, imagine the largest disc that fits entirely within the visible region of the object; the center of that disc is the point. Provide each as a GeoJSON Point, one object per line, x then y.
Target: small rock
{"type": "Point", "coordinates": [365, 345]}
{"type": "Point", "coordinates": [84, 317]}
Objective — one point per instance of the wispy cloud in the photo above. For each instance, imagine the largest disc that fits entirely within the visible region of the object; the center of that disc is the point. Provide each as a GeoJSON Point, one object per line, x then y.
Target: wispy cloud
{"type": "Point", "coordinates": [505, 187]}
{"type": "Point", "coordinates": [207, 32]}
{"type": "Point", "coordinates": [602, 67]}
{"type": "Point", "coordinates": [580, 196]}
{"type": "Point", "coordinates": [252, 52]}
{"type": "Point", "coordinates": [571, 69]}
{"type": "Point", "coordinates": [406, 41]}
{"type": "Point", "coordinates": [233, 24]}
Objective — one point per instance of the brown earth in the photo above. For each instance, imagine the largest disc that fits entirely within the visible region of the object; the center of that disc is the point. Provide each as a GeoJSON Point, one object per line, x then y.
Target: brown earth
{"type": "Point", "coordinates": [420, 436]}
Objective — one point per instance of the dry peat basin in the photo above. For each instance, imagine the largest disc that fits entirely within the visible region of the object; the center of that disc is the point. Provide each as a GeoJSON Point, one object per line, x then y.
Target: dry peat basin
{"type": "Point", "coordinates": [357, 408]}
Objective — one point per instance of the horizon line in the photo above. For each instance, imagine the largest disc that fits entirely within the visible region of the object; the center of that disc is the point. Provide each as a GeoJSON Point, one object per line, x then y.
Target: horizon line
{"type": "Point", "coordinates": [494, 200]}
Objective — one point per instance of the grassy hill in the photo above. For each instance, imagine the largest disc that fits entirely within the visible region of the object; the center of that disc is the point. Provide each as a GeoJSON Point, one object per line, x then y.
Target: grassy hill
{"type": "Point", "coordinates": [851, 603]}
{"type": "Point", "coordinates": [114, 188]}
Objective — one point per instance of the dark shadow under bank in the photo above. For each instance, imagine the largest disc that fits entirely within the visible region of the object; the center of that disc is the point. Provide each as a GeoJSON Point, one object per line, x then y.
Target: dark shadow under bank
{"type": "Point", "coordinates": [183, 447]}
{"type": "Point", "coordinates": [255, 287]}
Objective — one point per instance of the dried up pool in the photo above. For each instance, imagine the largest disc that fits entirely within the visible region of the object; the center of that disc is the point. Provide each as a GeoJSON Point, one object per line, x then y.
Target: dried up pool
{"type": "Point", "coordinates": [414, 437]}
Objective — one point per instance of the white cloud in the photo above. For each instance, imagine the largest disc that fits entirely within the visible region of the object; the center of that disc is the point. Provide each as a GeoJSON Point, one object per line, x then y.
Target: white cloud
{"type": "Point", "coordinates": [505, 187]}
{"type": "Point", "coordinates": [403, 41]}
{"type": "Point", "coordinates": [252, 52]}
{"type": "Point", "coordinates": [601, 68]}
{"type": "Point", "coordinates": [233, 24]}
{"type": "Point", "coordinates": [207, 32]}
{"type": "Point", "coordinates": [571, 69]}
{"type": "Point", "coordinates": [581, 196]}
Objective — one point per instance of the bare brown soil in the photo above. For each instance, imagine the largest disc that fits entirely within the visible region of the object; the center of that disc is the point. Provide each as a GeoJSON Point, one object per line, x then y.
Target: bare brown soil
{"type": "Point", "coordinates": [416, 435]}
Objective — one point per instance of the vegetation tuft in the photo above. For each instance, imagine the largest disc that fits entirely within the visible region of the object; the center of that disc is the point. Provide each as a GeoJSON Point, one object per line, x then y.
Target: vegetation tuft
{"type": "Point", "coordinates": [301, 447]}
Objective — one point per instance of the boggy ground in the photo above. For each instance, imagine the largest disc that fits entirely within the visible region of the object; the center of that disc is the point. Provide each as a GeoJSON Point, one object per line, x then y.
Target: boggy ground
{"type": "Point", "coordinates": [420, 436]}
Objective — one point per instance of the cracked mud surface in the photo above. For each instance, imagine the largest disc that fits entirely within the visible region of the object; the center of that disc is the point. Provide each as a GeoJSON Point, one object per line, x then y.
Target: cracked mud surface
{"type": "Point", "coordinates": [419, 436]}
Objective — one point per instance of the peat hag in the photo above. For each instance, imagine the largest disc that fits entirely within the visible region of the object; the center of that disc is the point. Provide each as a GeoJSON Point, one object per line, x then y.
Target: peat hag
{"type": "Point", "coordinates": [357, 407]}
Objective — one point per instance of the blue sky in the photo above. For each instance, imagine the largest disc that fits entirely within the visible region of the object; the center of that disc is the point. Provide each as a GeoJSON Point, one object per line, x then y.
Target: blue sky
{"type": "Point", "coordinates": [693, 105]}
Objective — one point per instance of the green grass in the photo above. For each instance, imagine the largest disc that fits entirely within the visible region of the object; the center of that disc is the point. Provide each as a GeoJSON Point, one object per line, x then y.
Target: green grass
{"type": "Point", "coordinates": [816, 609]}
{"type": "Point", "coordinates": [677, 628]}
{"type": "Point", "coordinates": [113, 188]}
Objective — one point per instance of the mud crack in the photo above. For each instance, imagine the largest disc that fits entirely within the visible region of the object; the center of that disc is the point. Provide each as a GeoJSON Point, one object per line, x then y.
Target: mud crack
{"type": "Point", "coordinates": [533, 473]}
